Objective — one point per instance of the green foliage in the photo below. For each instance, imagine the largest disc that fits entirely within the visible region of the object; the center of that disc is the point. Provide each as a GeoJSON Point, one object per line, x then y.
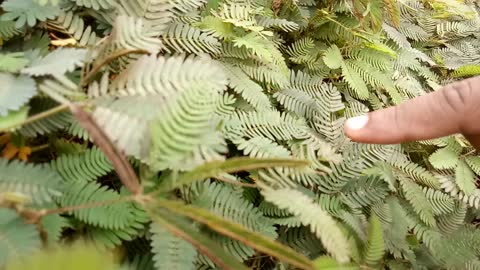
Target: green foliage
{"type": "Point", "coordinates": [28, 12]}
{"type": "Point", "coordinates": [37, 183]}
{"type": "Point", "coordinates": [375, 249]}
{"type": "Point", "coordinates": [18, 237]}
{"type": "Point", "coordinates": [15, 91]}
{"type": "Point", "coordinates": [170, 251]}
{"type": "Point", "coordinates": [79, 256]}
{"type": "Point", "coordinates": [230, 116]}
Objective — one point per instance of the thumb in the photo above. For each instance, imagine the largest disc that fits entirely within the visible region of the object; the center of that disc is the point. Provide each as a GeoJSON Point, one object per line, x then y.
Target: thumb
{"type": "Point", "coordinates": [455, 108]}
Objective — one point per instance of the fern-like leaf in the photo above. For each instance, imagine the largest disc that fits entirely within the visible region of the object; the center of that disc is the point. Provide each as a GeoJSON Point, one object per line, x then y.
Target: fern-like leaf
{"type": "Point", "coordinates": [414, 194]}
{"type": "Point", "coordinates": [184, 38]}
{"type": "Point", "coordinates": [465, 178]}
{"type": "Point", "coordinates": [74, 25]}
{"type": "Point", "coordinates": [15, 91]}
{"type": "Point", "coordinates": [171, 252]}
{"type": "Point", "coordinates": [57, 63]}
{"type": "Point", "coordinates": [109, 213]}
{"type": "Point", "coordinates": [38, 183]}
{"type": "Point", "coordinates": [375, 248]}
{"type": "Point", "coordinates": [83, 167]}
{"type": "Point", "coordinates": [320, 222]}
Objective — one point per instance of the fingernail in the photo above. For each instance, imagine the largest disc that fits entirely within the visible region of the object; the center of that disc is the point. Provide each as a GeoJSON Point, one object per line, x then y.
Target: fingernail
{"type": "Point", "coordinates": [358, 122]}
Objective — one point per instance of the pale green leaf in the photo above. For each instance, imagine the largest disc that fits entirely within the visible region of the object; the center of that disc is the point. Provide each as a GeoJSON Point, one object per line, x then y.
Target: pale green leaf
{"type": "Point", "coordinates": [15, 91]}
{"type": "Point", "coordinates": [333, 57]}
{"type": "Point", "coordinates": [58, 62]}
{"type": "Point", "coordinates": [444, 158]}
{"type": "Point", "coordinates": [13, 119]}
{"type": "Point", "coordinates": [355, 81]}
{"type": "Point", "coordinates": [474, 163]}
{"type": "Point", "coordinates": [375, 249]}
{"type": "Point", "coordinates": [465, 178]}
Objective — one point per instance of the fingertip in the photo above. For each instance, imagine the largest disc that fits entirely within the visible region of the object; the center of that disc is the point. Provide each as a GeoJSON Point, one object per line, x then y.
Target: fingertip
{"type": "Point", "coordinates": [353, 126]}
{"type": "Point", "coordinates": [356, 123]}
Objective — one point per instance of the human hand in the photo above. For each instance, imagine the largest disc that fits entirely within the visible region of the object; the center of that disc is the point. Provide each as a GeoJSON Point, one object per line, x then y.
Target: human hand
{"type": "Point", "coordinates": [455, 108]}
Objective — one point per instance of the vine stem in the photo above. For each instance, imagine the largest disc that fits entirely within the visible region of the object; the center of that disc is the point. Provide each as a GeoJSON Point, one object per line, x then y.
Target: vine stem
{"type": "Point", "coordinates": [39, 116]}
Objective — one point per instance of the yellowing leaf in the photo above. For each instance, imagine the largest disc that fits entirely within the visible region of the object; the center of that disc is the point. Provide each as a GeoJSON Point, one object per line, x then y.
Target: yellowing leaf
{"type": "Point", "coordinates": [10, 151]}
{"type": "Point", "coordinates": [64, 42]}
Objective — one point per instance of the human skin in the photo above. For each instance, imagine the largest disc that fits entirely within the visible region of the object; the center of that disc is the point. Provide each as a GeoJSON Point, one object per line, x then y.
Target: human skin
{"type": "Point", "coordinates": [453, 109]}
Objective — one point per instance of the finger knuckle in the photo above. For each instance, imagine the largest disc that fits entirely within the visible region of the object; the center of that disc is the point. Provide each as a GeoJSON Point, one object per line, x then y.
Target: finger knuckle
{"type": "Point", "coordinates": [457, 96]}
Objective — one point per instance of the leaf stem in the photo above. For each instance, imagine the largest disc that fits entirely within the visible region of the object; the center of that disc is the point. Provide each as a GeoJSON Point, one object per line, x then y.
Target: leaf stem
{"type": "Point", "coordinates": [40, 147]}
{"type": "Point", "coordinates": [40, 116]}
{"type": "Point", "coordinates": [87, 205]}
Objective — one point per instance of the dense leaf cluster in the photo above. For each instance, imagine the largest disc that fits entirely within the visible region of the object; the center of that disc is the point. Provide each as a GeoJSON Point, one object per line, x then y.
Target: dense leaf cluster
{"type": "Point", "coordinates": [231, 113]}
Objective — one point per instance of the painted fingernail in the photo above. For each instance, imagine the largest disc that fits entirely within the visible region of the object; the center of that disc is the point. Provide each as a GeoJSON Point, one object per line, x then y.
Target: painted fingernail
{"type": "Point", "coordinates": [358, 122]}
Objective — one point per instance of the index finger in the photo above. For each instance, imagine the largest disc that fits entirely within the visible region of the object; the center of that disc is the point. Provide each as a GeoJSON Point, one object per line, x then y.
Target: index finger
{"type": "Point", "coordinates": [454, 108]}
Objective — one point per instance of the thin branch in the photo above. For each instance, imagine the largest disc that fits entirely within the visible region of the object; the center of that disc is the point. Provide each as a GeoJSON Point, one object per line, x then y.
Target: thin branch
{"type": "Point", "coordinates": [89, 77]}
{"type": "Point", "coordinates": [39, 116]}
{"type": "Point", "coordinates": [119, 161]}
{"type": "Point", "coordinates": [40, 147]}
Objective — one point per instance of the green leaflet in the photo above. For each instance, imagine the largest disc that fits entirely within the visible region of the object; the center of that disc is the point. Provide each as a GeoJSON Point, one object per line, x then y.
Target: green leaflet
{"type": "Point", "coordinates": [375, 247]}
{"type": "Point", "coordinates": [13, 119]}
{"type": "Point", "coordinates": [53, 225]}
{"type": "Point", "coordinates": [108, 211]}
{"type": "Point", "coordinates": [170, 251]}
{"type": "Point", "coordinates": [84, 167]}
{"type": "Point", "coordinates": [13, 62]}
{"type": "Point", "coordinates": [27, 12]}
{"type": "Point", "coordinates": [420, 204]}
{"type": "Point", "coordinates": [322, 224]}
{"type": "Point", "coordinates": [355, 82]}
{"type": "Point", "coordinates": [37, 182]}
{"type": "Point", "coordinates": [55, 62]}
{"type": "Point", "coordinates": [465, 178]}
{"type": "Point", "coordinates": [474, 163]}
{"type": "Point", "coordinates": [333, 57]}
{"type": "Point", "coordinates": [444, 158]}
{"type": "Point", "coordinates": [15, 92]}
